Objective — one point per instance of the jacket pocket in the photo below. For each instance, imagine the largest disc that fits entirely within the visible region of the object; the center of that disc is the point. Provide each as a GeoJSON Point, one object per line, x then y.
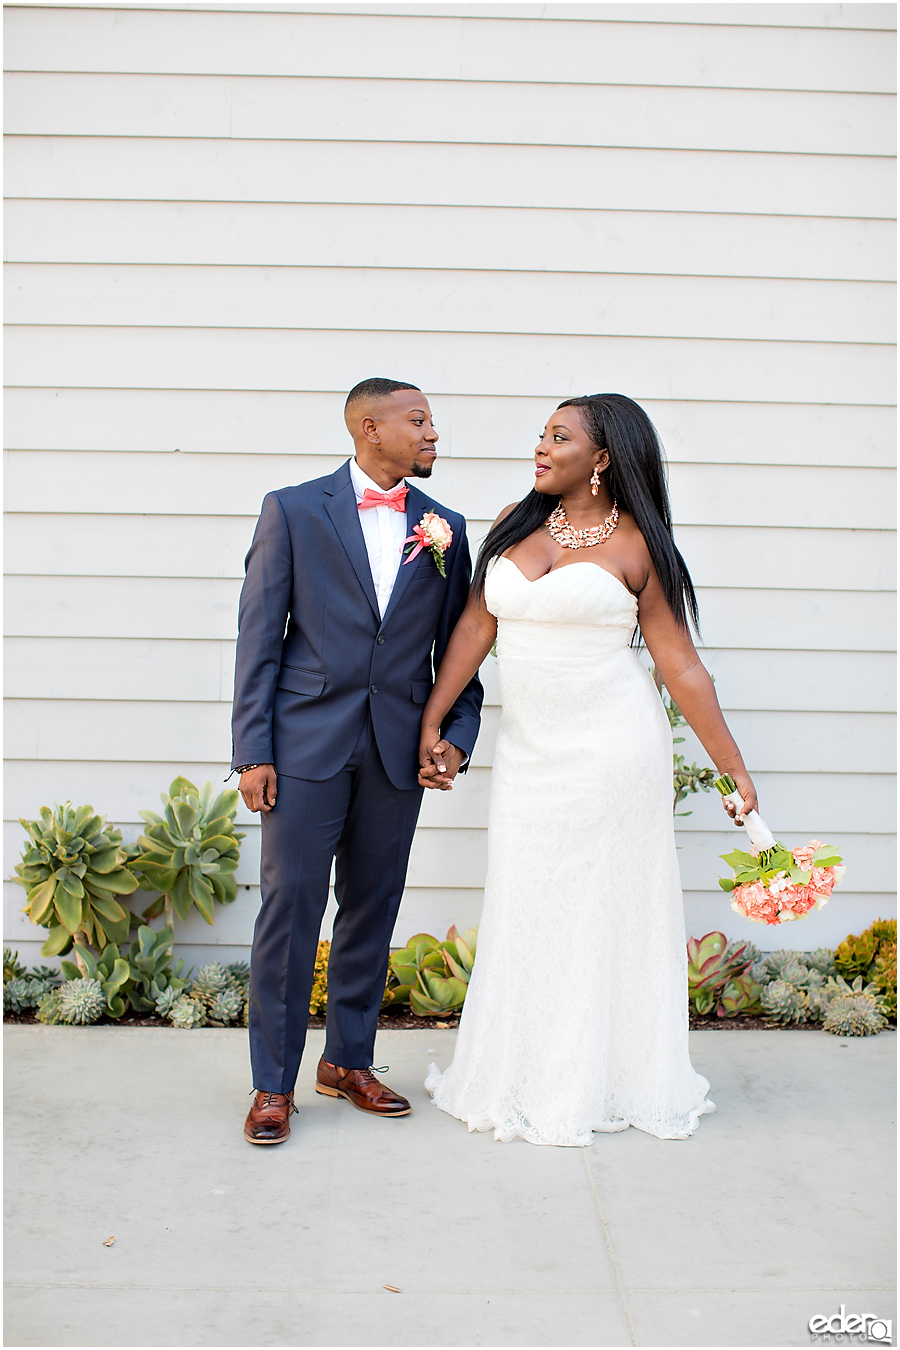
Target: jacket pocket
{"type": "Point", "coordinates": [420, 689]}
{"type": "Point", "coordinates": [309, 682]}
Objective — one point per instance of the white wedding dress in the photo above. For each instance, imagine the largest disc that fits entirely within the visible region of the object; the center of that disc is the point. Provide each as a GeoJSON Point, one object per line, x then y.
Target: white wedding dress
{"type": "Point", "coordinates": [576, 1015]}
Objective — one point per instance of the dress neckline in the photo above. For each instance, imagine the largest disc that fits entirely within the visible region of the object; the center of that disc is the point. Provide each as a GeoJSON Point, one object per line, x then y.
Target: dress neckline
{"type": "Point", "coordinates": [554, 570]}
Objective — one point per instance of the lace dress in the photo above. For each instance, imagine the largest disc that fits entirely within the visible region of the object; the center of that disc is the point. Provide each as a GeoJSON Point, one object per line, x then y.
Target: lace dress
{"type": "Point", "coordinates": [576, 1014]}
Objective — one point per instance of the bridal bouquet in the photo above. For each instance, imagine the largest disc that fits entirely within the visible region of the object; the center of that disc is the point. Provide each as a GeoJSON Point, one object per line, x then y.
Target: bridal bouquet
{"type": "Point", "coordinates": [774, 884]}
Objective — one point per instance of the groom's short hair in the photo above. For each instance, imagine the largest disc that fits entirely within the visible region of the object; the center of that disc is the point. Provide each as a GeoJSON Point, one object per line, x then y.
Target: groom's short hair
{"type": "Point", "coordinates": [374, 389]}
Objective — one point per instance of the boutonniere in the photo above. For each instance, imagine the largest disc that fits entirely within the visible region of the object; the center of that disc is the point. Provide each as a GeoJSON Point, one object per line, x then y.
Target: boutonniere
{"type": "Point", "coordinates": [433, 533]}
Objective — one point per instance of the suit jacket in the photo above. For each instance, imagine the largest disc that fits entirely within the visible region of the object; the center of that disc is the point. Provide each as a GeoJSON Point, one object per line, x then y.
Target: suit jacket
{"type": "Point", "coordinates": [314, 655]}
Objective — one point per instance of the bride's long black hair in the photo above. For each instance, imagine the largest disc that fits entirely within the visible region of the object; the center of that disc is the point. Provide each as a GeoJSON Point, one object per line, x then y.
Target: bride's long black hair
{"type": "Point", "coordinates": [637, 480]}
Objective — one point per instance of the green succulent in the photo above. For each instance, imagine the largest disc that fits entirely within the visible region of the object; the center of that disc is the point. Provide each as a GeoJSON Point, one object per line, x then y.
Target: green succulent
{"type": "Point", "coordinates": [186, 1013]}
{"type": "Point", "coordinates": [81, 1001]}
{"type": "Point", "coordinates": [210, 980]}
{"type": "Point", "coordinates": [109, 970]}
{"type": "Point", "coordinates": [856, 1014]}
{"type": "Point", "coordinates": [795, 972]}
{"type": "Point", "coordinates": [818, 1000]}
{"type": "Point", "coordinates": [759, 972]}
{"type": "Point", "coordinates": [190, 853]}
{"type": "Point", "coordinates": [822, 960]}
{"type": "Point", "coordinates": [48, 1011]}
{"type": "Point", "coordinates": [740, 997]}
{"type": "Point", "coordinates": [784, 1003]}
{"type": "Point", "coordinates": [219, 994]}
{"type": "Point", "coordinates": [712, 962]}
{"type": "Point", "coordinates": [12, 969]}
{"type": "Point", "coordinates": [73, 871]}
{"type": "Point", "coordinates": [166, 1001]}
{"type": "Point", "coordinates": [856, 953]}
{"type": "Point", "coordinates": [152, 971]}
{"type": "Point", "coordinates": [432, 976]}
{"type": "Point", "coordinates": [776, 961]}
{"type": "Point", "coordinates": [17, 995]}
{"type": "Point", "coordinates": [883, 974]}
{"type": "Point", "coordinates": [226, 1007]}
{"type": "Point", "coordinates": [240, 971]}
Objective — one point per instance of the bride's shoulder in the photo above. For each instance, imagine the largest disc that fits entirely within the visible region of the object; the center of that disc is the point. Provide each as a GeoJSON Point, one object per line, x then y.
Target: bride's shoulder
{"type": "Point", "coordinates": [504, 513]}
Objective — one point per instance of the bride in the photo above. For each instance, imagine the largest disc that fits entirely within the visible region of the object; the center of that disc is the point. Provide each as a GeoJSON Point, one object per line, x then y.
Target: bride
{"type": "Point", "coordinates": [576, 1015]}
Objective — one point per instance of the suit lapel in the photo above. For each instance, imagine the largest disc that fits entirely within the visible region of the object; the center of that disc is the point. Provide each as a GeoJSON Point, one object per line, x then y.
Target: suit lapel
{"type": "Point", "coordinates": [340, 503]}
{"type": "Point", "coordinates": [416, 506]}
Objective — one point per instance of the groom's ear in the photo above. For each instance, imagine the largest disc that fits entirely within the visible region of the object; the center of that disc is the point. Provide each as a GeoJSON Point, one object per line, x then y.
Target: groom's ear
{"type": "Point", "coordinates": [369, 429]}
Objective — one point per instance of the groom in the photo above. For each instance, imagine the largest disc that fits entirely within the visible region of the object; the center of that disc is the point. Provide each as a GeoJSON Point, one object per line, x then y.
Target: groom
{"type": "Point", "coordinates": [338, 638]}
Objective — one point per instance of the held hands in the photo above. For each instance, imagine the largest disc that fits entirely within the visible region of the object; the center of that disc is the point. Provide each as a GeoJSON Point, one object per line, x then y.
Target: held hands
{"type": "Point", "coordinates": [258, 787]}
{"type": "Point", "coordinates": [744, 784]}
{"type": "Point", "coordinates": [439, 761]}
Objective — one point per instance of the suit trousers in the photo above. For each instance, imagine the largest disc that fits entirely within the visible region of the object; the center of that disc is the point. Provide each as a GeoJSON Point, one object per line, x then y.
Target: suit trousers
{"type": "Point", "coordinates": [366, 825]}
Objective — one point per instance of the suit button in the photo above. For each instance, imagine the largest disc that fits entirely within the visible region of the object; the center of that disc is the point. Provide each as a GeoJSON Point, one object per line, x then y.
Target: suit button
{"type": "Point", "coordinates": [374, 688]}
{"type": "Point", "coordinates": [379, 639]}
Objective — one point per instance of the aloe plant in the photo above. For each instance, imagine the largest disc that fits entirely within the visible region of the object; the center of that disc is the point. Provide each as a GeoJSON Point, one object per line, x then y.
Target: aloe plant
{"type": "Point", "coordinates": [190, 853]}
{"type": "Point", "coordinates": [73, 871]}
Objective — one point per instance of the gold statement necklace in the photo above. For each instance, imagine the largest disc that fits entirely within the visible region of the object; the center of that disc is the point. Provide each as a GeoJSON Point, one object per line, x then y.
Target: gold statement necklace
{"type": "Point", "coordinates": [569, 537]}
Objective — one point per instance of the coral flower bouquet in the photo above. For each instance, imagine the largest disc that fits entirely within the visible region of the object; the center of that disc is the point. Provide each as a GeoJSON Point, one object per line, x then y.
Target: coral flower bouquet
{"type": "Point", "coordinates": [774, 884]}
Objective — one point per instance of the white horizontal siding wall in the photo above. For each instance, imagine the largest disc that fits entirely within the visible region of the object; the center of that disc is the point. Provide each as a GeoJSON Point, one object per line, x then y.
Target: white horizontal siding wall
{"type": "Point", "coordinates": [218, 220]}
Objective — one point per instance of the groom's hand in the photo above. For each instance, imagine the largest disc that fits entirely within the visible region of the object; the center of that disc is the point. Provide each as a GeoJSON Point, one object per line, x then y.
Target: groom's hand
{"type": "Point", "coordinates": [259, 788]}
{"type": "Point", "coordinates": [439, 765]}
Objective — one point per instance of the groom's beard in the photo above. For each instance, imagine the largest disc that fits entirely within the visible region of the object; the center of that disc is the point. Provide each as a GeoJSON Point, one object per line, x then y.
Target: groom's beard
{"type": "Point", "coordinates": [422, 470]}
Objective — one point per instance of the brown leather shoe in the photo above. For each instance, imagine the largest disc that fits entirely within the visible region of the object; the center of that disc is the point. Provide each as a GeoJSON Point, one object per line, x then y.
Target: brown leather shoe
{"type": "Point", "coordinates": [269, 1118]}
{"type": "Point", "coordinates": [361, 1088]}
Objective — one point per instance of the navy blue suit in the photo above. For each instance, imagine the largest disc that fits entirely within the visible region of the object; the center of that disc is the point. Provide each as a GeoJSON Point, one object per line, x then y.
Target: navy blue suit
{"type": "Point", "coordinates": [332, 695]}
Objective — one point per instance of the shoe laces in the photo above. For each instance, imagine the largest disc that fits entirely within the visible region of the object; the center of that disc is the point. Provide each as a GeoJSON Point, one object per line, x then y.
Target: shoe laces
{"type": "Point", "coordinates": [270, 1100]}
{"type": "Point", "coordinates": [372, 1071]}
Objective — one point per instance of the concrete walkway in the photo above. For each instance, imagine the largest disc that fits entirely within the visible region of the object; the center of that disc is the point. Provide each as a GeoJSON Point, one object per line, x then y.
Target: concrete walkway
{"type": "Point", "coordinates": [778, 1209]}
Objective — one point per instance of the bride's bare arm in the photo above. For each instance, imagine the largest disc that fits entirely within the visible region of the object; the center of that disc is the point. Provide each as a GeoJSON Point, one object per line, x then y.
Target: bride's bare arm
{"type": "Point", "coordinates": [690, 687]}
{"type": "Point", "coordinates": [470, 642]}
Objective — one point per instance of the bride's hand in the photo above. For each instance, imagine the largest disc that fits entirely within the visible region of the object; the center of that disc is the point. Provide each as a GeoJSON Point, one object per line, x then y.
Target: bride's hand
{"type": "Point", "coordinates": [430, 775]}
{"type": "Point", "coordinates": [744, 784]}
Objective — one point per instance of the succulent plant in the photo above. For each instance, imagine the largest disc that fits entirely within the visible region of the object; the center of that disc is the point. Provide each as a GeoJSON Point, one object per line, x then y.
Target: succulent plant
{"type": "Point", "coordinates": [318, 995]}
{"type": "Point", "coordinates": [710, 966]}
{"type": "Point", "coordinates": [855, 1014]}
{"type": "Point", "coordinates": [81, 1001]}
{"type": "Point", "coordinates": [240, 971]}
{"type": "Point", "coordinates": [165, 1001]}
{"type": "Point", "coordinates": [11, 966]}
{"type": "Point", "coordinates": [218, 994]}
{"type": "Point", "coordinates": [759, 972]}
{"type": "Point", "coordinates": [784, 1003]}
{"type": "Point", "coordinates": [48, 1012]}
{"type": "Point", "coordinates": [17, 995]}
{"type": "Point", "coordinates": [186, 1013]}
{"type": "Point", "coordinates": [740, 997]}
{"type": "Point", "coordinates": [856, 953]}
{"type": "Point", "coordinates": [109, 969]}
{"type": "Point", "coordinates": [191, 852]}
{"type": "Point", "coordinates": [883, 974]}
{"type": "Point", "coordinates": [432, 976]}
{"type": "Point", "coordinates": [818, 999]}
{"type": "Point", "coordinates": [73, 871]}
{"type": "Point", "coordinates": [152, 971]}
{"type": "Point", "coordinates": [210, 980]}
{"type": "Point", "coordinates": [822, 960]}
{"type": "Point", "coordinates": [226, 1007]}
{"type": "Point", "coordinates": [776, 961]}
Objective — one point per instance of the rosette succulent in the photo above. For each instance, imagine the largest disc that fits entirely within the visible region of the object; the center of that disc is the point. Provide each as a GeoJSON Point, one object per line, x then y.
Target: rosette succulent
{"type": "Point", "coordinates": [186, 1013]}
{"type": "Point", "coordinates": [81, 1001]}
{"type": "Point", "coordinates": [784, 1003]}
{"type": "Point", "coordinates": [856, 1014]}
{"type": "Point", "coordinates": [190, 853]}
{"type": "Point", "coordinates": [109, 971]}
{"type": "Point", "coordinates": [73, 871]}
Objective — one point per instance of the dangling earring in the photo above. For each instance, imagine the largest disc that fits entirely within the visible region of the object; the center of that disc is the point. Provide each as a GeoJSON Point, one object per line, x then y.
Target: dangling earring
{"type": "Point", "coordinates": [595, 481]}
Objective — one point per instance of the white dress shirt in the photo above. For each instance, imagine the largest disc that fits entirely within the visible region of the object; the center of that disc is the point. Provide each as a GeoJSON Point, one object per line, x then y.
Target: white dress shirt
{"type": "Point", "coordinates": [384, 531]}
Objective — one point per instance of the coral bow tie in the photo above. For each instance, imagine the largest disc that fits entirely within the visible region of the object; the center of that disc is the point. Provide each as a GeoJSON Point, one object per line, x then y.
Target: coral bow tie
{"type": "Point", "coordinates": [395, 499]}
